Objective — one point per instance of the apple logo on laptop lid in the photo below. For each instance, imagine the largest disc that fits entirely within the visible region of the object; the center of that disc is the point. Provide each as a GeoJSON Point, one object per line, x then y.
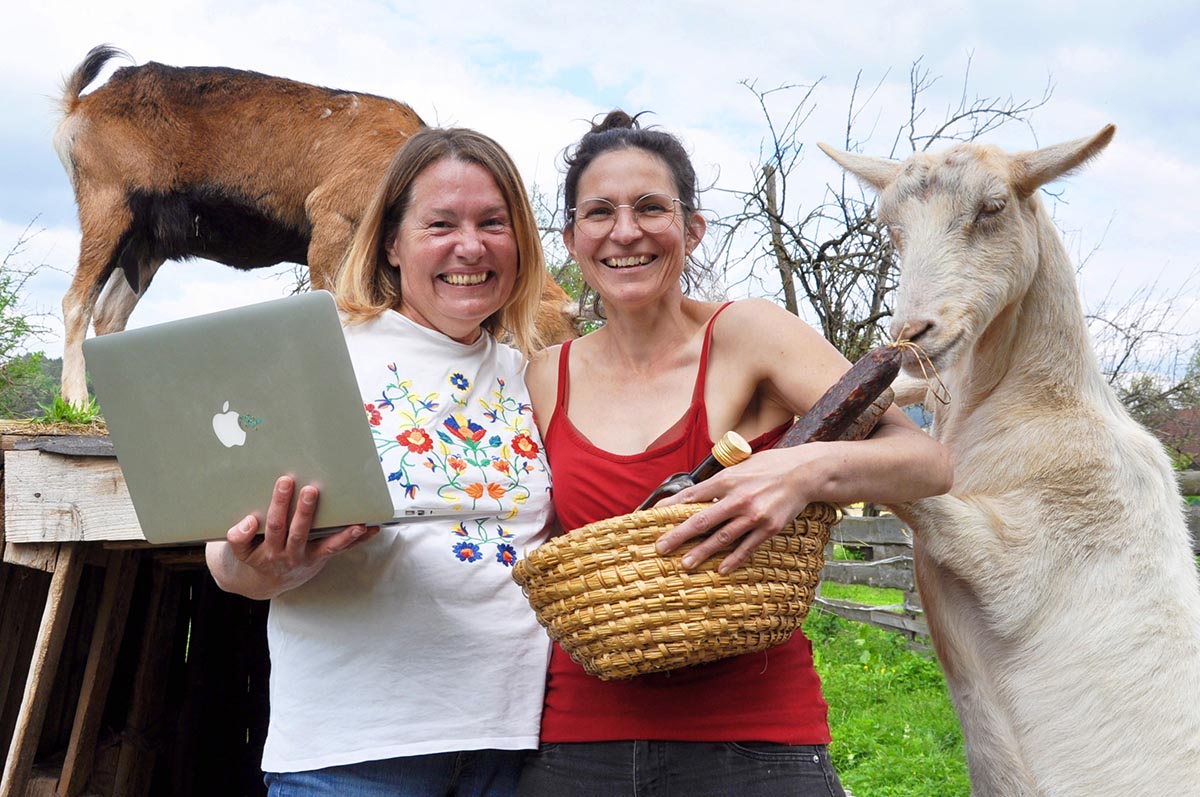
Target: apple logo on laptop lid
{"type": "Point", "coordinates": [230, 426]}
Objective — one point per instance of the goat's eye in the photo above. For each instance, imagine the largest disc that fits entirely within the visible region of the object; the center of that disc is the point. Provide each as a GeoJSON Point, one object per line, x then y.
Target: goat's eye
{"type": "Point", "coordinates": [990, 208]}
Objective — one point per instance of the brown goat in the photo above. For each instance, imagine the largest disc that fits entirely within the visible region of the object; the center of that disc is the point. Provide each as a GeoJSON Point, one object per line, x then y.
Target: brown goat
{"type": "Point", "coordinates": [237, 167]}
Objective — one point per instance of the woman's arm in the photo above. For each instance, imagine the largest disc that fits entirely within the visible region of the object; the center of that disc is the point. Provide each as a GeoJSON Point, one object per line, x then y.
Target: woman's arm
{"type": "Point", "coordinates": [792, 366]}
{"type": "Point", "coordinates": [284, 558]}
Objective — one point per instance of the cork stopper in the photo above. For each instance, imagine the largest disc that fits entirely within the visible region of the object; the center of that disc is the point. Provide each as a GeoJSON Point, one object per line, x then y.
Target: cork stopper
{"type": "Point", "coordinates": [731, 449]}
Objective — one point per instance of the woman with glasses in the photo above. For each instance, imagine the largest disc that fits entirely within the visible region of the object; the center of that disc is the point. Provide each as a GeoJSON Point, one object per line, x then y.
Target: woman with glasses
{"type": "Point", "coordinates": [645, 396]}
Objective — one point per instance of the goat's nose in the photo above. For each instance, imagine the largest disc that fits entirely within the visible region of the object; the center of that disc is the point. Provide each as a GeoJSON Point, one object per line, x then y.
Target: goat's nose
{"type": "Point", "coordinates": [910, 329]}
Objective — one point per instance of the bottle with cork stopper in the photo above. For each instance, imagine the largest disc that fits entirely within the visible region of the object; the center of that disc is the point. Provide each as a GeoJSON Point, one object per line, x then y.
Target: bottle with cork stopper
{"type": "Point", "coordinates": [729, 450]}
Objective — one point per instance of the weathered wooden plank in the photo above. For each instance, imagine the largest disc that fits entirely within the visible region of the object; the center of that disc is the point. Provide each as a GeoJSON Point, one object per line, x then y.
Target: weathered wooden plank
{"type": "Point", "coordinates": [72, 445]}
{"type": "Point", "coordinates": [37, 555]}
{"type": "Point", "coordinates": [13, 433]}
{"type": "Point", "coordinates": [911, 623]}
{"type": "Point", "coordinates": [886, 530]}
{"type": "Point", "coordinates": [42, 669]}
{"type": "Point", "coordinates": [42, 785]}
{"type": "Point", "coordinates": [893, 573]}
{"type": "Point", "coordinates": [21, 604]}
{"type": "Point", "coordinates": [51, 498]}
{"type": "Point", "coordinates": [187, 558]}
{"type": "Point", "coordinates": [895, 621]}
{"type": "Point", "coordinates": [848, 610]}
{"type": "Point", "coordinates": [135, 764]}
{"type": "Point", "coordinates": [97, 677]}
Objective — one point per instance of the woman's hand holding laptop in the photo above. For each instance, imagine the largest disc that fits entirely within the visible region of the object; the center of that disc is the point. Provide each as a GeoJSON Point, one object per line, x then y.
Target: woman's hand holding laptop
{"type": "Point", "coordinates": [283, 558]}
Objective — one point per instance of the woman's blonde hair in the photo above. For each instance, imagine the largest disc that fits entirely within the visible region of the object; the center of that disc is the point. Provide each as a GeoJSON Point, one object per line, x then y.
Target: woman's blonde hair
{"type": "Point", "coordinates": [367, 285]}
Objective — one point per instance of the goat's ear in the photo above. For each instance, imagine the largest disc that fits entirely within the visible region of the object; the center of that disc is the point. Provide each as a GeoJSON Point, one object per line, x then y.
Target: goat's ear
{"type": "Point", "coordinates": [878, 173]}
{"type": "Point", "coordinates": [1033, 169]}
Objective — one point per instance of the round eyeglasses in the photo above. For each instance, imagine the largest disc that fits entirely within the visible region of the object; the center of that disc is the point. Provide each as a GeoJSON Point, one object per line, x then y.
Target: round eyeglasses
{"type": "Point", "coordinates": [596, 217]}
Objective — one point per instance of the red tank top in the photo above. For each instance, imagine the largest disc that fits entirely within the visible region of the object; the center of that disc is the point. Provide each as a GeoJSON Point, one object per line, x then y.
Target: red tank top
{"type": "Point", "coordinates": [770, 696]}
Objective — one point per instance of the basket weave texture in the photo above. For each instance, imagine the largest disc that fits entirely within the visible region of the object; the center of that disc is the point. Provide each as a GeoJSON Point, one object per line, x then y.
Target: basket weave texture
{"type": "Point", "coordinates": [620, 609]}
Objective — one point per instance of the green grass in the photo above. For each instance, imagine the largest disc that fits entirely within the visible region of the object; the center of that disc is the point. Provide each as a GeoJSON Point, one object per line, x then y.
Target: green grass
{"type": "Point", "coordinates": [894, 730]}
{"type": "Point", "coordinates": [871, 596]}
{"type": "Point", "coordinates": [62, 411]}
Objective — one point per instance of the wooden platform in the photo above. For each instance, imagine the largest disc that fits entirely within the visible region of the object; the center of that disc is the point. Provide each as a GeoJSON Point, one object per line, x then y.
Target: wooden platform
{"type": "Point", "coordinates": [124, 670]}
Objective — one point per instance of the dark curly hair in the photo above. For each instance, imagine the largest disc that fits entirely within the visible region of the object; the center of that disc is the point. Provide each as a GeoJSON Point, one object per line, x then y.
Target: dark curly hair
{"type": "Point", "coordinates": [618, 130]}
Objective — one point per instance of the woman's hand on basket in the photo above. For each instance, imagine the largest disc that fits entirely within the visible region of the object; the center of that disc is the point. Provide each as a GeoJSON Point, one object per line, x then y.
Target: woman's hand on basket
{"type": "Point", "coordinates": [283, 557]}
{"type": "Point", "coordinates": [754, 500]}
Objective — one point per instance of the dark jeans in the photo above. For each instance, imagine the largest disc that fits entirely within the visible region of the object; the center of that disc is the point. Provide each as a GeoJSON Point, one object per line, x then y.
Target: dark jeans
{"type": "Point", "coordinates": [473, 773]}
{"type": "Point", "coordinates": [687, 769]}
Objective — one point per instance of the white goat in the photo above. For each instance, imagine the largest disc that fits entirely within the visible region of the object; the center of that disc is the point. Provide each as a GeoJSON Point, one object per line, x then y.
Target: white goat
{"type": "Point", "coordinates": [1057, 576]}
{"type": "Point", "coordinates": [241, 168]}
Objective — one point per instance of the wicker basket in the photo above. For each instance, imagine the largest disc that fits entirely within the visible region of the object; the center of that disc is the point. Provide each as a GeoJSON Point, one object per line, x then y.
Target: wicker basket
{"type": "Point", "coordinates": [620, 609]}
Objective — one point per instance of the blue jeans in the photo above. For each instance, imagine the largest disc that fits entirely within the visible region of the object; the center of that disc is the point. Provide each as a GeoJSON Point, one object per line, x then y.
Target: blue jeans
{"type": "Point", "coordinates": [688, 769]}
{"type": "Point", "coordinates": [467, 774]}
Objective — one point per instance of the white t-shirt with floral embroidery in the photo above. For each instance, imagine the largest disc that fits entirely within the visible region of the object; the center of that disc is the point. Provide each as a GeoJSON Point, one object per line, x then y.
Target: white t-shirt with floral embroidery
{"type": "Point", "coordinates": [419, 641]}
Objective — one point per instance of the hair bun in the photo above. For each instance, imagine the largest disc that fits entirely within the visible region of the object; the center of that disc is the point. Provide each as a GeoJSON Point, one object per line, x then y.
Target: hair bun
{"type": "Point", "coordinates": [616, 120]}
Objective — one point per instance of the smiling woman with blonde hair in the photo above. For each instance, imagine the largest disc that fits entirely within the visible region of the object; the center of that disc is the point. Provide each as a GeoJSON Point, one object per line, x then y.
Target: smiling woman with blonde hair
{"type": "Point", "coordinates": [365, 285]}
{"type": "Point", "coordinates": [404, 660]}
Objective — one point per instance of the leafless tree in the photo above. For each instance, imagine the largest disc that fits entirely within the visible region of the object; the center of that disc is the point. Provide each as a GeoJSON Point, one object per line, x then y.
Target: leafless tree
{"type": "Point", "coordinates": [1152, 360]}
{"type": "Point", "coordinates": [832, 261]}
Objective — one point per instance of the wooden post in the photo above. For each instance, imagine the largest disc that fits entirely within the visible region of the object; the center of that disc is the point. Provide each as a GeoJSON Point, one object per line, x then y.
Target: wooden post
{"type": "Point", "coordinates": [135, 765]}
{"type": "Point", "coordinates": [42, 669]}
{"type": "Point", "coordinates": [113, 612]}
{"type": "Point", "coordinates": [21, 607]}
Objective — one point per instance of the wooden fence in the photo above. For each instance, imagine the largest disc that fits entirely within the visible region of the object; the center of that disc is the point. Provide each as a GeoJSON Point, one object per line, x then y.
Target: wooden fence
{"type": "Point", "coordinates": [124, 671]}
{"type": "Point", "coordinates": [885, 545]}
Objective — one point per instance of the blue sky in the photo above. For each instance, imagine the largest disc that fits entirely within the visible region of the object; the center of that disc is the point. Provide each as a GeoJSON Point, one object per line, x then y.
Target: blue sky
{"type": "Point", "coordinates": [531, 73]}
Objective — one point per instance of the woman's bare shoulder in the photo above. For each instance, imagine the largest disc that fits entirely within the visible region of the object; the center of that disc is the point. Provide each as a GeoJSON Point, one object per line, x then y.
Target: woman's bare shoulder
{"type": "Point", "coordinates": [761, 320]}
{"type": "Point", "coordinates": [543, 365]}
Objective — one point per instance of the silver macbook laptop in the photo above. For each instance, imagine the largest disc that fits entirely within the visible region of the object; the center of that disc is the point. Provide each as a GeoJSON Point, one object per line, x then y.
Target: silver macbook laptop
{"type": "Point", "coordinates": [207, 412]}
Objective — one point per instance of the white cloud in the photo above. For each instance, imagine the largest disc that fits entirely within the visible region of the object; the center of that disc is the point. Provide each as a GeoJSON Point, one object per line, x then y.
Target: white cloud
{"type": "Point", "coordinates": [531, 74]}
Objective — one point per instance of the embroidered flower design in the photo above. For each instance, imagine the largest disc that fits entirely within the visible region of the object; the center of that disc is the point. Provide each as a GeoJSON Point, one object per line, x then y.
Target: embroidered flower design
{"type": "Point", "coordinates": [467, 552]}
{"type": "Point", "coordinates": [415, 440]}
{"type": "Point", "coordinates": [479, 453]}
{"type": "Point", "coordinates": [374, 416]}
{"type": "Point", "coordinates": [524, 446]}
{"type": "Point", "coordinates": [464, 428]}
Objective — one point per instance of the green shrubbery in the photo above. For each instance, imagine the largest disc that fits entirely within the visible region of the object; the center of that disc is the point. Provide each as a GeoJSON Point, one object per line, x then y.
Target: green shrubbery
{"type": "Point", "coordinates": [895, 733]}
{"type": "Point", "coordinates": [19, 369]}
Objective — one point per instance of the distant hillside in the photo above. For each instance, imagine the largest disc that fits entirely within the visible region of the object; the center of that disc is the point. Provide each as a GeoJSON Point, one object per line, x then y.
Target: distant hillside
{"type": "Point", "coordinates": [23, 400]}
